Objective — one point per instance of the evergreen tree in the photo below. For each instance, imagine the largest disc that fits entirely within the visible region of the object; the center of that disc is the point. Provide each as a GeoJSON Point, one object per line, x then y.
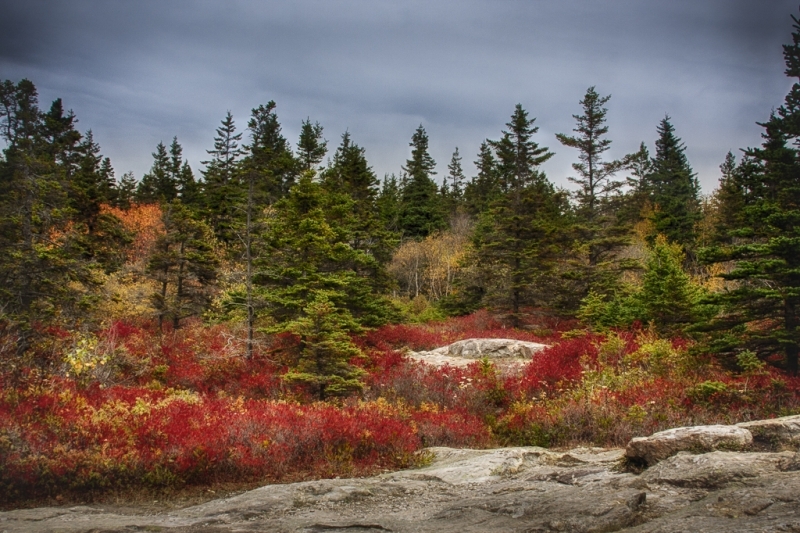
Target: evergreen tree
{"type": "Point", "coordinates": [107, 183]}
{"type": "Point", "coordinates": [326, 348]}
{"type": "Point", "coordinates": [87, 183]}
{"type": "Point", "coordinates": [41, 269]}
{"type": "Point", "coordinates": [351, 189]}
{"type": "Point", "coordinates": [636, 200]}
{"type": "Point", "coordinates": [389, 204]}
{"type": "Point", "coordinates": [484, 187]}
{"type": "Point", "coordinates": [223, 190]}
{"type": "Point", "coordinates": [160, 184]}
{"type": "Point", "coordinates": [598, 229]}
{"type": "Point", "coordinates": [98, 236]}
{"type": "Point", "coordinates": [729, 200]}
{"type": "Point", "coordinates": [269, 157]}
{"type": "Point", "coordinates": [184, 265]}
{"type": "Point", "coordinates": [309, 251]}
{"type": "Point", "coordinates": [311, 148]}
{"type": "Point", "coordinates": [455, 191]}
{"type": "Point", "coordinates": [761, 308]}
{"type": "Point", "coordinates": [674, 190]}
{"type": "Point", "coordinates": [421, 211]}
{"type": "Point", "coordinates": [126, 191]}
{"type": "Point", "coordinates": [518, 240]}
{"type": "Point", "coordinates": [310, 280]}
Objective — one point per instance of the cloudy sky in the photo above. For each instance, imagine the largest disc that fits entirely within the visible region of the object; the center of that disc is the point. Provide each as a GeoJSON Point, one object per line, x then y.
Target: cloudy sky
{"type": "Point", "coordinates": [140, 72]}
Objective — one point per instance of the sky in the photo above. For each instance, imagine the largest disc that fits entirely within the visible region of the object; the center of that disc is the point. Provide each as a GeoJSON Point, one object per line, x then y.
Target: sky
{"type": "Point", "coordinates": [140, 72]}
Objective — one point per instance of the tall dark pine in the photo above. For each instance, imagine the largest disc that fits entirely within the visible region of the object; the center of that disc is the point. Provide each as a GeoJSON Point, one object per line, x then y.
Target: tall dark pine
{"type": "Point", "coordinates": [674, 190]}
{"type": "Point", "coordinates": [181, 174]}
{"type": "Point", "coordinates": [594, 176]}
{"type": "Point", "coordinates": [269, 158]}
{"type": "Point", "coordinates": [125, 191]}
{"type": "Point", "coordinates": [517, 242]}
{"type": "Point", "coordinates": [484, 187]}
{"type": "Point", "coordinates": [762, 309]}
{"type": "Point", "coordinates": [388, 204]}
{"type": "Point", "coordinates": [455, 182]}
{"type": "Point", "coordinates": [728, 202]}
{"type": "Point", "coordinates": [421, 211]}
{"type": "Point", "coordinates": [597, 227]}
{"type": "Point", "coordinates": [159, 184]}
{"type": "Point", "coordinates": [39, 264]}
{"type": "Point", "coordinates": [352, 191]}
{"type": "Point", "coordinates": [312, 147]}
{"type": "Point", "coordinates": [223, 190]}
{"type": "Point", "coordinates": [184, 266]}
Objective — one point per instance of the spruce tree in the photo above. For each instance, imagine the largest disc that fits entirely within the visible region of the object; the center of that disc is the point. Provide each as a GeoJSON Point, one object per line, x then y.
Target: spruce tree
{"type": "Point", "coordinates": [184, 265]}
{"type": "Point", "coordinates": [322, 363]}
{"type": "Point", "coordinates": [484, 187]}
{"type": "Point", "coordinates": [269, 158]}
{"type": "Point", "coordinates": [674, 190]}
{"type": "Point", "coordinates": [421, 211]}
{"type": "Point", "coordinates": [309, 278]}
{"type": "Point", "coordinates": [598, 229]}
{"type": "Point", "coordinates": [388, 204]}
{"type": "Point", "coordinates": [42, 271]}
{"type": "Point", "coordinates": [160, 184]}
{"type": "Point", "coordinates": [518, 239]}
{"type": "Point", "coordinates": [223, 190]}
{"type": "Point", "coordinates": [352, 190]}
{"type": "Point", "coordinates": [126, 191]}
{"type": "Point", "coordinates": [455, 191]}
{"type": "Point", "coordinates": [311, 148]}
{"type": "Point", "coordinates": [761, 306]}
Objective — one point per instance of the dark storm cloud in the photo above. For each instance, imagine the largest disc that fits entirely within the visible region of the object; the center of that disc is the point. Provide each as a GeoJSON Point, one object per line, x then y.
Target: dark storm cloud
{"type": "Point", "coordinates": [140, 72]}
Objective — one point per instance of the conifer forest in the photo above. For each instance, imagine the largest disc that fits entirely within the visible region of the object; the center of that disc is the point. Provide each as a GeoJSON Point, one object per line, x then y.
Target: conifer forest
{"type": "Point", "coordinates": [247, 319]}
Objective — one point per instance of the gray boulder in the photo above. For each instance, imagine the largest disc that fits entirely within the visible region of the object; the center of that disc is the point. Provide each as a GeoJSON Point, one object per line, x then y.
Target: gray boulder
{"type": "Point", "coordinates": [465, 352]}
{"type": "Point", "coordinates": [697, 439]}
{"type": "Point", "coordinates": [777, 433]}
{"type": "Point", "coordinates": [477, 348]}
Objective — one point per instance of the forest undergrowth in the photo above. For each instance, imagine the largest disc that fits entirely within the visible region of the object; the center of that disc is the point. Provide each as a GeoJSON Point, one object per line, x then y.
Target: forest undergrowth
{"type": "Point", "coordinates": [135, 409]}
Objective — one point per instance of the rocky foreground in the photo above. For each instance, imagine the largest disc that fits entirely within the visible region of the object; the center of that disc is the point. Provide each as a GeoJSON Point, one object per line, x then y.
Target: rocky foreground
{"type": "Point", "coordinates": [705, 478]}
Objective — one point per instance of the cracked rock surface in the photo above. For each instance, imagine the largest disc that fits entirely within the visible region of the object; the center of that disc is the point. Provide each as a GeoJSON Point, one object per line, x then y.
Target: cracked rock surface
{"type": "Point", "coordinates": [523, 489]}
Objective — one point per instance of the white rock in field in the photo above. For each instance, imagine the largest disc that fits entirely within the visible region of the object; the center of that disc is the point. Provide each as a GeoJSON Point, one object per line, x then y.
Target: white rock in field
{"type": "Point", "coordinates": [697, 439]}
{"type": "Point", "coordinates": [462, 353]}
{"type": "Point", "coordinates": [776, 433]}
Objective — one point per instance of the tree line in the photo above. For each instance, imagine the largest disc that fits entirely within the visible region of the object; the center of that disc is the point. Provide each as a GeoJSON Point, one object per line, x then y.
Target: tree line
{"type": "Point", "coordinates": [323, 251]}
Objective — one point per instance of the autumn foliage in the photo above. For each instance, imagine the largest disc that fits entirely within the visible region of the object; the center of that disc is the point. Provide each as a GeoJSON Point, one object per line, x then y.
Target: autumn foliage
{"type": "Point", "coordinates": [132, 408]}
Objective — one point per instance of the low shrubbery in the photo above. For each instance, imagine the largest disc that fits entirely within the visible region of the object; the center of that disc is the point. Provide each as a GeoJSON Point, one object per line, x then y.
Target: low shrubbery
{"type": "Point", "coordinates": [131, 408]}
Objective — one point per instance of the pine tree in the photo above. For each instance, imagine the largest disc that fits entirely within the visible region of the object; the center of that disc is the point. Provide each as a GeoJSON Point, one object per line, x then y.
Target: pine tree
{"type": "Point", "coordinates": [484, 187]}
{"type": "Point", "coordinates": [309, 278]}
{"type": "Point", "coordinates": [351, 189]}
{"type": "Point", "coordinates": [311, 148]}
{"type": "Point", "coordinates": [636, 200]}
{"type": "Point", "coordinates": [184, 265]}
{"type": "Point", "coordinates": [223, 190]}
{"type": "Point", "coordinates": [761, 308]}
{"type": "Point", "coordinates": [42, 272]}
{"type": "Point", "coordinates": [598, 229]}
{"type": "Point", "coordinates": [326, 348]}
{"type": "Point", "coordinates": [126, 191]}
{"type": "Point", "coordinates": [455, 191]}
{"type": "Point", "coordinates": [269, 157]}
{"type": "Point", "coordinates": [421, 211]}
{"type": "Point", "coordinates": [518, 240]}
{"type": "Point", "coordinates": [160, 184]}
{"type": "Point", "coordinates": [674, 190]}
{"type": "Point", "coordinates": [388, 204]}
{"type": "Point", "coordinates": [308, 250]}
{"type": "Point", "coordinates": [729, 200]}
